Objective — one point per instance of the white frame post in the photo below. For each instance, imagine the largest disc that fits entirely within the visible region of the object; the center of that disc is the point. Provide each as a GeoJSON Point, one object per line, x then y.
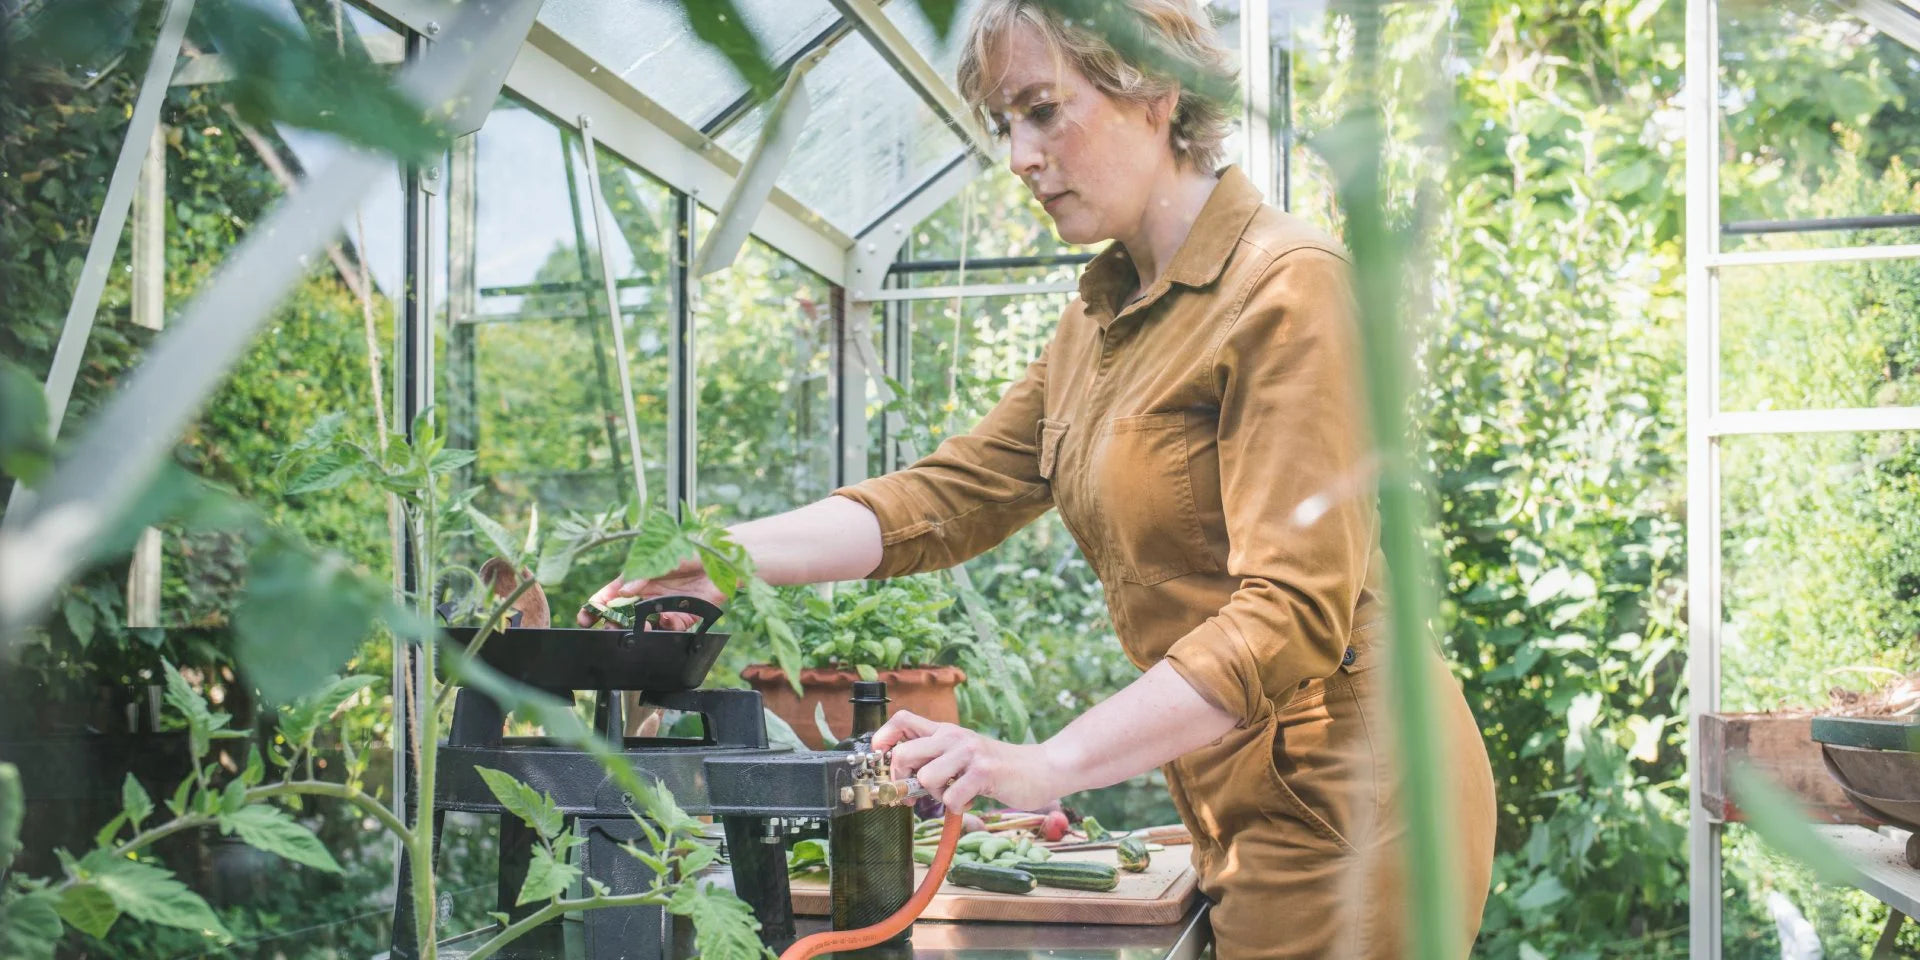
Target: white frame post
{"type": "Point", "coordinates": [1703, 463]}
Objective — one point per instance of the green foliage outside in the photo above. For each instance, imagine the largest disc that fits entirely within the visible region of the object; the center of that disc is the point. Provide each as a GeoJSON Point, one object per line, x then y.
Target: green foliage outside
{"type": "Point", "coordinates": [1552, 412]}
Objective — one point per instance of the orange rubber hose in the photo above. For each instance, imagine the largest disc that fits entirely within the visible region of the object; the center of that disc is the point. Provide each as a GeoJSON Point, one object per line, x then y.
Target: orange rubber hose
{"type": "Point", "coordinates": [835, 941]}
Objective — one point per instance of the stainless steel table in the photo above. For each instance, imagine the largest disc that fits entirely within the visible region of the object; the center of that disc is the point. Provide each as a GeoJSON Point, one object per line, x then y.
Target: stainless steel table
{"type": "Point", "coordinates": [984, 940]}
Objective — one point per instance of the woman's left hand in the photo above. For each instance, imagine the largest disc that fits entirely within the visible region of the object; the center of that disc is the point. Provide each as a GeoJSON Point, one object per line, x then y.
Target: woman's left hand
{"type": "Point", "coordinates": [956, 764]}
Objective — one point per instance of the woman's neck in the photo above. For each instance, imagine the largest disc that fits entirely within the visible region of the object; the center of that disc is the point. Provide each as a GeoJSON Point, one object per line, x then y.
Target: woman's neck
{"type": "Point", "coordinates": [1172, 207]}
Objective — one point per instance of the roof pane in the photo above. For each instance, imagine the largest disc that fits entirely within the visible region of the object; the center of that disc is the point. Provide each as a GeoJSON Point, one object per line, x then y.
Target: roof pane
{"type": "Point", "coordinates": [650, 44]}
{"type": "Point", "coordinates": [868, 138]}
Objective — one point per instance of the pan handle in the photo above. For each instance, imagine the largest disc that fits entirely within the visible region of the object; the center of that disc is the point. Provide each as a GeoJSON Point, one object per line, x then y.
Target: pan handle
{"type": "Point", "coordinates": [707, 612]}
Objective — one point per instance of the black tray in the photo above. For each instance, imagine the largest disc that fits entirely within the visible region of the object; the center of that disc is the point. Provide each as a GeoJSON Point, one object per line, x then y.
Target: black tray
{"type": "Point", "coordinates": [586, 658]}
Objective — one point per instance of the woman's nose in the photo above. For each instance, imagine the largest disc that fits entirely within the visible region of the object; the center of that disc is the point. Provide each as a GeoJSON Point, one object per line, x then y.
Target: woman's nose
{"type": "Point", "coordinates": [1024, 156]}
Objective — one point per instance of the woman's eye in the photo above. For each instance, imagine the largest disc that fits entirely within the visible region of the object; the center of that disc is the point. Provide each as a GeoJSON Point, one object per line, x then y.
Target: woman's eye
{"type": "Point", "coordinates": [1042, 113]}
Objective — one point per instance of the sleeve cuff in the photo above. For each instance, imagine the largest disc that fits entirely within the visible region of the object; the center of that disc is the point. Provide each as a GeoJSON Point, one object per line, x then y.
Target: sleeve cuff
{"type": "Point", "coordinates": [1222, 670]}
{"type": "Point", "coordinates": [897, 522]}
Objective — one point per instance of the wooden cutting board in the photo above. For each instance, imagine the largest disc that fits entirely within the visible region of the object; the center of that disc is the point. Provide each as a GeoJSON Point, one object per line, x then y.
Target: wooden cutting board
{"type": "Point", "coordinates": [1159, 894]}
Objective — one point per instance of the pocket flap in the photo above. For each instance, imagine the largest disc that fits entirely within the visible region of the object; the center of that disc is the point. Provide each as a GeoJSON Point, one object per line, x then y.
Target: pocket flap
{"type": "Point", "coordinates": [1051, 433]}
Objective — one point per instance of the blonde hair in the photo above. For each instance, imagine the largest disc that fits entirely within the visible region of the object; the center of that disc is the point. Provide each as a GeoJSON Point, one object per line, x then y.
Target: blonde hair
{"type": "Point", "coordinates": [1173, 36]}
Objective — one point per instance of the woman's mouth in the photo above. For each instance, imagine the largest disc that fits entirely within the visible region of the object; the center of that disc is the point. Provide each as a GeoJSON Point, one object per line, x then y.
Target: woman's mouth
{"type": "Point", "coordinates": [1049, 200]}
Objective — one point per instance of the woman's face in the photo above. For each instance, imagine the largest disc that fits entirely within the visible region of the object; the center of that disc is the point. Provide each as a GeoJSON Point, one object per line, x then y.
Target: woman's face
{"type": "Point", "coordinates": [1090, 159]}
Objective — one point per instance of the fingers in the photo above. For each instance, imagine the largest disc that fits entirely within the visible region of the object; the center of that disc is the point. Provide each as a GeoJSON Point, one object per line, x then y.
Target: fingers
{"type": "Point", "coordinates": [942, 770]}
{"type": "Point", "coordinates": [586, 616]}
{"type": "Point", "coordinates": [975, 782]}
{"type": "Point", "coordinates": [904, 725]}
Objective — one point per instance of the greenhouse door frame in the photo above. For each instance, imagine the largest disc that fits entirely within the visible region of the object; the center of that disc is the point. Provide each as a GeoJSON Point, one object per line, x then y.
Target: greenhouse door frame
{"type": "Point", "coordinates": [1707, 424]}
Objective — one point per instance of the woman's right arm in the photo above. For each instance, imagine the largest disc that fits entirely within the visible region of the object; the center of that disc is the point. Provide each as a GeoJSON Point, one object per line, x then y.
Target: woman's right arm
{"type": "Point", "coordinates": [832, 539]}
{"type": "Point", "coordinates": [970, 494]}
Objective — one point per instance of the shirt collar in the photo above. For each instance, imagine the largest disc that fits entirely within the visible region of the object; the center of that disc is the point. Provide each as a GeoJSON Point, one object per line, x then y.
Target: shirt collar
{"type": "Point", "coordinates": [1202, 255]}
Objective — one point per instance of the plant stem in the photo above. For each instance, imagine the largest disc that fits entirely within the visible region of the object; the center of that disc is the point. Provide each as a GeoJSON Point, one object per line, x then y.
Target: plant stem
{"type": "Point", "coordinates": [420, 839]}
{"type": "Point", "coordinates": [153, 835]}
{"type": "Point", "coordinates": [555, 908]}
{"type": "Point", "coordinates": [337, 791]}
{"type": "Point", "coordinates": [1377, 257]}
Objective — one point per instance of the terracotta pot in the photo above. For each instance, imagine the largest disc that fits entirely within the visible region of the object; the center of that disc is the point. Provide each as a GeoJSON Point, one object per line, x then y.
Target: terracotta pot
{"type": "Point", "coordinates": [927, 691]}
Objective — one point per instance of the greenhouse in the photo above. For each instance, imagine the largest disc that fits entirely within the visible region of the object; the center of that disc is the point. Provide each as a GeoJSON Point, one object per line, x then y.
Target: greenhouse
{"type": "Point", "coordinates": [935, 478]}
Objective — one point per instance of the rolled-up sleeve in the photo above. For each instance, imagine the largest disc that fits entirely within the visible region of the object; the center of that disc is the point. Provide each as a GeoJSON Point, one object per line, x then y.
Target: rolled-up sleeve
{"type": "Point", "coordinates": [970, 494]}
{"type": "Point", "coordinates": [1297, 484]}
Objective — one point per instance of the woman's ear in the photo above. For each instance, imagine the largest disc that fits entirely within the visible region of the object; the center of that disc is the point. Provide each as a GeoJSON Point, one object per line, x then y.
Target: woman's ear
{"type": "Point", "coordinates": [1161, 109]}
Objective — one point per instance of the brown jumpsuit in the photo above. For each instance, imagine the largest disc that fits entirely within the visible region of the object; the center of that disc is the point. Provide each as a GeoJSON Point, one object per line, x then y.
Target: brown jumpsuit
{"type": "Point", "coordinates": [1207, 448]}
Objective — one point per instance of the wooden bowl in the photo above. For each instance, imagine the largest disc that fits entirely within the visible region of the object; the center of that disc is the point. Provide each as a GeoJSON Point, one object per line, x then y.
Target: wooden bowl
{"type": "Point", "coordinates": [1876, 763]}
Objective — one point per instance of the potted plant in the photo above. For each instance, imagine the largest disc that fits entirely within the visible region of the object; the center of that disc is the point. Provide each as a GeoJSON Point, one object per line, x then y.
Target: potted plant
{"type": "Point", "coordinates": [908, 633]}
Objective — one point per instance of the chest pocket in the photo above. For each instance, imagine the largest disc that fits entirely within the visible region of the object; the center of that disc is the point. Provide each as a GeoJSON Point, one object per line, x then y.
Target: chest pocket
{"type": "Point", "coordinates": [1051, 433]}
{"type": "Point", "coordinates": [1144, 488]}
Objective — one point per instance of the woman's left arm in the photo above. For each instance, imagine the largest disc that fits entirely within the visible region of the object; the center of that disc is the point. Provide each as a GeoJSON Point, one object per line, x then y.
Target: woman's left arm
{"type": "Point", "coordinates": [1149, 722]}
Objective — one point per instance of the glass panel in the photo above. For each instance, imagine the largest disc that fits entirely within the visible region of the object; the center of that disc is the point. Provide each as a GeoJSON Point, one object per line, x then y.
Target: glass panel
{"type": "Point", "coordinates": [1816, 103]}
{"type": "Point", "coordinates": [80, 705]}
{"type": "Point", "coordinates": [530, 381]}
{"type": "Point", "coordinates": [1821, 557]}
{"type": "Point", "coordinates": [868, 137]}
{"type": "Point", "coordinates": [1813, 336]}
{"type": "Point", "coordinates": [763, 340]}
{"type": "Point", "coordinates": [651, 45]}
{"type": "Point", "coordinates": [1325, 85]}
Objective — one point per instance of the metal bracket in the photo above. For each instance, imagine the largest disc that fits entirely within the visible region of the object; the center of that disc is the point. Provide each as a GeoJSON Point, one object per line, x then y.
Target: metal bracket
{"type": "Point", "coordinates": [751, 189]}
{"type": "Point", "coordinates": [601, 236]}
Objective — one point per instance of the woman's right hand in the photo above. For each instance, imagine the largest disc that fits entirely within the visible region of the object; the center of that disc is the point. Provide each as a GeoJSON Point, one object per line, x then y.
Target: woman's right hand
{"type": "Point", "coordinates": [687, 580]}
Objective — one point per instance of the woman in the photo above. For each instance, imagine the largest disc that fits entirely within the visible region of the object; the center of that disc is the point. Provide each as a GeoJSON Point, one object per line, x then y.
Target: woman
{"type": "Point", "coordinates": [1196, 421]}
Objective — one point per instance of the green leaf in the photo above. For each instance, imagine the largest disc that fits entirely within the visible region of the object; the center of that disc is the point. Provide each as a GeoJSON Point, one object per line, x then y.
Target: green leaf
{"type": "Point", "coordinates": [201, 720]}
{"type": "Point", "coordinates": [80, 619]}
{"type": "Point", "coordinates": [720, 24]}
{"type": "Point", "coordinates": [282, 75]}
{"type": "Point", "coordinates": [89, 909]}
{"type": "Point", "coordinates": [104, 837]}
{"type": "Point", "coordinates": [1544, 893]}
{"type": "Point", "coordinates": [26, 448]}
{"type": "Point", "coordinates": [178, 802]}
{"type": "Point", "coordinates": [940, 14]}
{"type": "Point", "coordinates": [546, 877]}
{"type": "Point", "coordinates": [723, 924]}
{"type": "Point", "coordinates": [530, 805]}
{"type": "Point", "coordinates": [255, 770]}
{"type": "Point", "coordinates": [555, 566]}
{"type": "Point", "coordinates": [445, 462]}
{"type": "Point", "coordinates": [29, 926]}
{"type": "Point", "coordinates": [806, 856]}
{"type": "Point", "coordinates": [151, 894]}
{"type": "Point", "coordinates": [13, 809]}
{"type": "Point", "coordinates": [533, 531]}
{"type": "Point", "coordinates": [134, 800]}
{"type": "Point", "coordinates": [866, 672]}
{"type": "Point", "coordinates": [495, 533]}
{"type": "Point", "coordinates": [301, 617]}
{"type": "Point", "coordinates": [272, 829]}
{"type": "Point", "coordinates": [820, 724]}
{"type": "Point", "coordinates": [299, 722]}
{"type": "Point", "coordinates": [659, 548]}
